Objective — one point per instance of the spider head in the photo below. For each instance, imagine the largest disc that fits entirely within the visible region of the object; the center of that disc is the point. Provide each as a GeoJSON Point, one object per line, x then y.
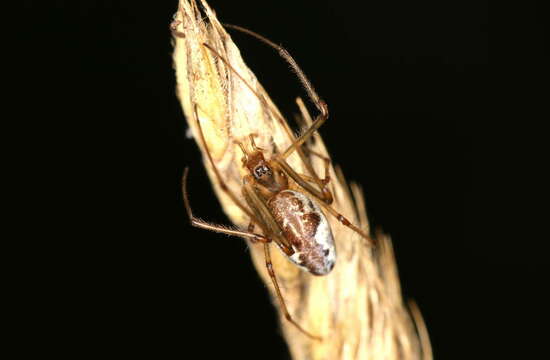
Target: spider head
{"type": "Point", "coordinates": [264, 173]}
{"type": "Point", "coordinates": [259, 168]}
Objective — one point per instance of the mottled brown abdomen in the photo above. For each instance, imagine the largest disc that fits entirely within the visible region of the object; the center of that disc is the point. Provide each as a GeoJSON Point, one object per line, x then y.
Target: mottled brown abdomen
{"type": "Point", "coordinates": [306, 227]}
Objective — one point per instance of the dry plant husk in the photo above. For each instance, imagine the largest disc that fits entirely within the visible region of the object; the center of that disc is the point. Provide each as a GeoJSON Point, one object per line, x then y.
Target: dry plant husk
{"type": "Point", "coordinates": [358, 307]}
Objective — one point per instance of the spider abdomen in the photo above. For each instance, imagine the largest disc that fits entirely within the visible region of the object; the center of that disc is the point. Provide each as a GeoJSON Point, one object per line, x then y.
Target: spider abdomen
{"type": "Point", "coordinates": [306, 227]}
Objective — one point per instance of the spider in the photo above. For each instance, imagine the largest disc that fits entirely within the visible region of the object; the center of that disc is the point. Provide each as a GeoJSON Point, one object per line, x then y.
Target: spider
{"type": "Point", "coordinates": [288, 213]}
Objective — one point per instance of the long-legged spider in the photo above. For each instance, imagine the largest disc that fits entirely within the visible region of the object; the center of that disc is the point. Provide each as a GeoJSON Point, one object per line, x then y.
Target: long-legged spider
{"type": "Point", "coordinates": [281, 209]}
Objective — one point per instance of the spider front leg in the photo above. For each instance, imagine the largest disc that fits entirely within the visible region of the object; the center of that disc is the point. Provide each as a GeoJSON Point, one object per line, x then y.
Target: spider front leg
{"type": "Point", "coordinates": [310, 90]}
{"type": "Point", "coordinates": [324, 194]}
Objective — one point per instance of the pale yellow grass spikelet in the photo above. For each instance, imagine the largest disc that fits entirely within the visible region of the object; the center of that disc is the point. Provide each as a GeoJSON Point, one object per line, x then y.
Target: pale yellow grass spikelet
{"type": "Point", "coordinates": [358, 307]}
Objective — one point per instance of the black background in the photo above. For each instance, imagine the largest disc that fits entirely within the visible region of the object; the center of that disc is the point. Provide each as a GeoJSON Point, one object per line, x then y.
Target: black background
{"type": "Point", "coordinates": [414, 93]}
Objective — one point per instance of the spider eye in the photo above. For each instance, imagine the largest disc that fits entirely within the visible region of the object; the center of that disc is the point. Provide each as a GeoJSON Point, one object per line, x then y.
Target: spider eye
{"type": "Point", "coordinates": [261, 171]}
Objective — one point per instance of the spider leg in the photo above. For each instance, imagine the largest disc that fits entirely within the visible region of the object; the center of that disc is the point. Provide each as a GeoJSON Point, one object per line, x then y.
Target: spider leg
{"type": "Point", "coordinates": [271, 272]}
{"type": "Point", "coordinates": [347, 223]}
{"type": "Point", "coordinates": [296, 144]}
{"type": "Point", "coordinates": [324, 194]}
{"type": "Point", "coordinates": [326, 180]}
{"type": "Point", "coordinates": [310, 90]}
{"type": "Point", "coordinates": [251, 230]}
{"type": "Point", "coordinates": [214, 227]}
{"type": "Point", "coordinates": [327, 195]}
{"type": "Point", "coordinates": [222, 183]}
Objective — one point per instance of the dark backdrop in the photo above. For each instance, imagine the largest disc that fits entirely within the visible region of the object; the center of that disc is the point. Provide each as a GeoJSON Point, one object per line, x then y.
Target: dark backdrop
{"type": "Point", "coordinates": [411, 88]}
